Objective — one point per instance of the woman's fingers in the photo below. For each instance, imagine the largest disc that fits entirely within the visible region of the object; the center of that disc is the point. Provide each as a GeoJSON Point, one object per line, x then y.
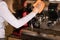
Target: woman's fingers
{"type": "Point", "coordinates": [37, 2]}
{"type": "Point", "coordinates": [41, 7]}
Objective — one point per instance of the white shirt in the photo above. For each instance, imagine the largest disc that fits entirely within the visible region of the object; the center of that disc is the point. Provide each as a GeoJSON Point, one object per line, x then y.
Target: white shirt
{"type": "Point", "coordinates": [6, 15]}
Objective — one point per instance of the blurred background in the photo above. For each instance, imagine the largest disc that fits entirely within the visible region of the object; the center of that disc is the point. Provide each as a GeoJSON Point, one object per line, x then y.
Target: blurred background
{"type": "Point", "coordinates": [44, 26]}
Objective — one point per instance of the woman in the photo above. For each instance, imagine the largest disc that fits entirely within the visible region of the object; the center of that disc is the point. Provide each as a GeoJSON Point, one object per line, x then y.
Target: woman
{"type": "Point", "coordinates": [6, 11]}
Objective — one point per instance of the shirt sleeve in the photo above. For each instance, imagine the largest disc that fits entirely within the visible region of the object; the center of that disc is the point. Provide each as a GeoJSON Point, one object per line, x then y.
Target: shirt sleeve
{"type": "Point", "coordinates": [8, 16]}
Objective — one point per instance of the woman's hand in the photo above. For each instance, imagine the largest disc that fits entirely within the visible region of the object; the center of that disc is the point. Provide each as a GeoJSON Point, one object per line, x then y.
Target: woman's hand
{"type": "Point", "coordinates": [38, 6]}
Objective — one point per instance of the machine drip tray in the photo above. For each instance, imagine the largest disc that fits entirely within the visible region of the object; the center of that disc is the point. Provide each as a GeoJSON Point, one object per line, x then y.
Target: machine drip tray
{"type": "Point", "coordinates": [30, 35]}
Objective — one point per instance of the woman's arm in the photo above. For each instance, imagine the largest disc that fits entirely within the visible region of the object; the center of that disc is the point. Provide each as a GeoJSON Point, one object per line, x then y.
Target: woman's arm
{"type": "Point", "coordinates": [7, 15]}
